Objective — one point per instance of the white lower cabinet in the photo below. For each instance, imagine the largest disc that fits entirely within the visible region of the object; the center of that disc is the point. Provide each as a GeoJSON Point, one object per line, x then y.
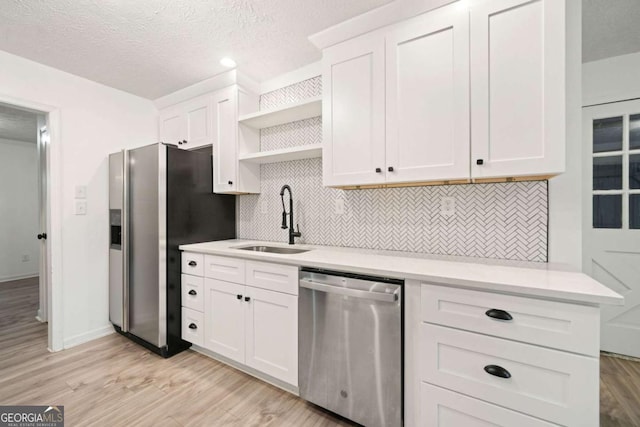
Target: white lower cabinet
{"type": "Point", "coordinates": [271, 328]}
{"type": "Point", "coordinates": [475, 358]}
{"type": "Point", "coordinates": [192, 326]}
{"type": "Point", "coordinates": [224, 325]}
{"type": "Point", "coordinates": [445, 408]}
{"type": "Point", "coordinates": [255, 326]}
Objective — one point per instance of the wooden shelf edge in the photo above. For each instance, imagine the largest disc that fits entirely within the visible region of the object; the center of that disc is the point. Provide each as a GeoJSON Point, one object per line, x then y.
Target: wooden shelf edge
{"type": "Point", "coordinates": [284, 155]}
{"type": "Point", "coordinates": [302, 110]}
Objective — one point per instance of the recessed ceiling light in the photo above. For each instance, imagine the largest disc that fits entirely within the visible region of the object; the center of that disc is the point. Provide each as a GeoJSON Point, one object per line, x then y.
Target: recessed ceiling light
{"type": "Point", "coordinates": [228, 62]}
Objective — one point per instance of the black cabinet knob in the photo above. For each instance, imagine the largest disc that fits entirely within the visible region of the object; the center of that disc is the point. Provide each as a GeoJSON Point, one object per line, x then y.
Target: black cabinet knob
{"type": "Point", "coordinates": [230, 182]}
{"type": "Point", "coordinates": [497, 371]}
{"type": "Point", "coordinates": [193, 326]}
{"type": "Point", "coordinates": [239, 296]}
{"type": "Point", "coordinates": [378, 170]}
{"type": "Point", "coordinates": [192, 292]}
{"type": "Point", "coordinates": [184, 141]}
{"type": "Point", "coordinates": [479, 162]}
{"type": "Point", "coordinates": [247, 299]}
{"type": "Point", "coordinates": [390, 168]}
{"type": "Point", "coordinates": [494, 313]}
{"type": "Point", "coordinates": [42, 236]}
{"type": "Point", "coordinates": [179, 142]}
{"type": "Point", "coordinates": [192, 263]}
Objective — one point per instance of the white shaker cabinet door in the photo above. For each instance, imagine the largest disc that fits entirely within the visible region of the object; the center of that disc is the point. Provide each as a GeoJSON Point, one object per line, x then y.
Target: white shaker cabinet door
{"type": "Point", "coordinates": [198, 122]}
{"type": "Point", "coordinates": [517, 88]}
{"type": "Point", "coordinates": [225, 140]}
{"type": "Point", "coordinates": [272, 334]}
{"type": "Point", "coordinates": [427, 76]}
{"type": "Point", "coordinates": [353, 112]}
{"type": "Point", "coordinates": [173, 126]}
{"type": "Point", "coordinates": [224, 309]}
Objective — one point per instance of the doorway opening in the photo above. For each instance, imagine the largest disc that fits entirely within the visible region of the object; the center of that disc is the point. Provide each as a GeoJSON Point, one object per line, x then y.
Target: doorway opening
{"type": "Point", "coordinates": [25, 276]}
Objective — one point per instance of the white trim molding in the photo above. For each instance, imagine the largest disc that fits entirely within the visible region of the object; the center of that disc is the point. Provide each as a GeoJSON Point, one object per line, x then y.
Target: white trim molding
{"type": "Point", "coordinates": [88, 336]}
{"type": "Point", "coordinates": [292, 77]}
{"type": "Point", "coordinates": [19, 277]}
{"type": "Point", "coordinates": [377, 18]}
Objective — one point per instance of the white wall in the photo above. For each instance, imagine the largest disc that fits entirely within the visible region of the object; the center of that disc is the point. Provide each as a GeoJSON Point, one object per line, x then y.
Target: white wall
{"type": "Point", "coordinates": [18, 209]}
{"type": "Point", "coordinates": [611, 79]}
{"type": "Point", "coordinates": [565, 191]}
{"type": "Point", "coordinates": [94, 121]}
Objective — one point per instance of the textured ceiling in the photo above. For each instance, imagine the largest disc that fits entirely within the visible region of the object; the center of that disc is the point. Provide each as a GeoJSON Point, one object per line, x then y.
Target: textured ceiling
{"type": "Point", "coordinates": [610, 28]}
{"type": "Point", "coordinates": [18, 125]}
{"type": "Point", "coordinates": [155, 47]}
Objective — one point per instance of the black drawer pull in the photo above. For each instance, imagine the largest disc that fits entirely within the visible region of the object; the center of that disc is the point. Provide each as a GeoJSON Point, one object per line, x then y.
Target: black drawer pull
{"type": "Point", "coordinates": [192, 263]}
{"type": "Point", "coordinates": [378, 170]}
{"type": "Point", "coordinates": [497, 371]}
{"type": "Point", "coordinates": [192, 292]}
{"type": "Point", "coordinates": [494, 313]}
{"type": "Point", "coordinates": [247, 299]}
{"type": "Point", "coordinates": [193, 326]}
{"type": "Point", "coordinates": [239, 296]}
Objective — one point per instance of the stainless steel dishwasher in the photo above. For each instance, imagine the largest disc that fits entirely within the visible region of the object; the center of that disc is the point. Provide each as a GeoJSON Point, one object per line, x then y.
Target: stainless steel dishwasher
{"type": "Point", "coordinates": [350, 345]}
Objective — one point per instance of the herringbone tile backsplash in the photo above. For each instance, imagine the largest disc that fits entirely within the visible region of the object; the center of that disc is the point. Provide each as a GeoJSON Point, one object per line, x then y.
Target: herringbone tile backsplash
{"type": "Point", "coordinates": [506, 221]}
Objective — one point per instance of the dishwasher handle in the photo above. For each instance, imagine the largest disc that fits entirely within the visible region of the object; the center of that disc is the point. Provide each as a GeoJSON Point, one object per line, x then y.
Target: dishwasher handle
{"type": "Point", "coordinates": [356, 293]}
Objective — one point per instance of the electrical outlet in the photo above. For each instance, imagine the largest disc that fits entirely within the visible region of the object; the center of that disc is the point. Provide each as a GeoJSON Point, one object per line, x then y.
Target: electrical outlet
{"type": "Point", "coordinates": [447, 206]}
{"type": "Point", "coordinates": [81, 207]}
{"type": "Point", "coordinates": [25, 258]}
{"type": "Point", "coordinates": [81, 191]}
{"type": "Point", "coordinates": [264, 207]}
{"type": "Point", "coordinates": [339, 206]}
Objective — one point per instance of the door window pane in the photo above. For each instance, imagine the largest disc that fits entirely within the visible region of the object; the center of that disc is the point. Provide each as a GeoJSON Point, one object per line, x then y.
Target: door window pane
{"type": "Point", "coordinates": [607, 211]}
{"type": "Point", "coordinates": [607, 173]}
{"type": "Point", "coordinates": [607, 134]}
{"type": "Point", "coordinates": [634, 132]}
{"type": "Point", "coordinates": [634, 171]}
{"type": "Point", "coordinates": [634, 211]}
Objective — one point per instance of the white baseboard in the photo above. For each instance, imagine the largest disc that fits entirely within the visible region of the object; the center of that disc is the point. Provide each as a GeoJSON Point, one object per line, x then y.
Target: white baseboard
{"type": "Point", "coordinates": [88, 336]}
{"type": "Point", "coordinates": [20, 277]}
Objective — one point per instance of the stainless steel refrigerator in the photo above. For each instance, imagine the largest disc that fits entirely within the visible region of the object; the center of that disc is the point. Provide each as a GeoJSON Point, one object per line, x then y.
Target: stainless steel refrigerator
{"type": "Point", "coordinates": [160, 197]}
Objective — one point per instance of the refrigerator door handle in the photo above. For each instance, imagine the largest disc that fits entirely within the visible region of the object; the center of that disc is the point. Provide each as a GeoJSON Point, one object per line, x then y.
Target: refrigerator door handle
{"type": "Point", "coordinates": [125, 241]}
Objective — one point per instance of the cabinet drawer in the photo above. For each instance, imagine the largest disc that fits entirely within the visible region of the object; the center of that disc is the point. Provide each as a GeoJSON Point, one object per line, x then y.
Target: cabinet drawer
{"type": "Point", "coordinates": [445, 408]}
{"type": "Point", "coordinates": [223, 268]}
{"type": "Point", "coordinates": [193, 292]}
{"type": "Point", "coordinates": [557, 386]}
{"type": "Point", "coordinates": [192, 326]}
{"type": "Point", "coordinates": [552, 324]}
{"type": "Point", "coordinates": [274, 277]}
{"type": "Point", "coordinates": [193, 263]}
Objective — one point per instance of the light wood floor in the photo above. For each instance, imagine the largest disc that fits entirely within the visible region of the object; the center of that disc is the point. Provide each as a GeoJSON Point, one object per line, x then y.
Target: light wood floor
{"type": "Point", "coordinates": [112, 381]}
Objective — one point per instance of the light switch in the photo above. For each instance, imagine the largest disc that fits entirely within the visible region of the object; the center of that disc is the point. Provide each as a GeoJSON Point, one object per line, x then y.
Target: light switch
{"type": "Point", "coordinates": [81, 207]}
{"type": "Point", "coordinates": [81, 191]}
{"type": "Point", "coordinates": [339, 206]}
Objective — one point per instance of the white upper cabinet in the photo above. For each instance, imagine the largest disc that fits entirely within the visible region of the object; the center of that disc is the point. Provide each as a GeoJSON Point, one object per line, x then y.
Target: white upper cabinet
{"type": "Point", "coordinates": [517, 88]}
{"type": "Point", "coordinates": [469, 91]}
{"type": "Point", "coordinates": [427, 90]}
{"type": "Point", "coordinates": [231, 140]}
{"type": "Point", "coordinates": [187, 124]}
{"type": "Point", "coordinates": [353, 112]}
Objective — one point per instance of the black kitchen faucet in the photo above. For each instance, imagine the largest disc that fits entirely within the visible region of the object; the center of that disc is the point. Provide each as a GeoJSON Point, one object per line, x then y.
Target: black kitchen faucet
{"type": "Point", "coordinates": [292, 233]}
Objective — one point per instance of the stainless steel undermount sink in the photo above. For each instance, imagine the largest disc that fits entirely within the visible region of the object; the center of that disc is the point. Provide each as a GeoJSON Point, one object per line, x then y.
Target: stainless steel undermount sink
{"type": "Point", "coordinates": [272, 249]}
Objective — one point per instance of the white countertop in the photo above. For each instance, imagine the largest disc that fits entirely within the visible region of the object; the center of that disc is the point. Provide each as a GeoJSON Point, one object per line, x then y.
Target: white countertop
{"type": "Point", "coordinates": [551, 281]}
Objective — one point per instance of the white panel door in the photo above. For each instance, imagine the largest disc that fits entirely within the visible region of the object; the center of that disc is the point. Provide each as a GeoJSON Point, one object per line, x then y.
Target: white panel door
{"type": "Point", "coordinates": [225, 140]}
{"type": "Point", "coordinates": [198, 118]}
{"type": "Point", "coordinates": [353, 109]}
{"type": "Point", "coordinates": [517, 88]}
{"type": "Point", "coordinates": [272, 334]}
{"type": "Point", "coordinates": [428, 97]}
{"type": "Point", "coordinates": [173, 126]}
{"type": "Point", "coordinates": [224, 312]}
{"type": "Point", "coordinates": [611, 217]}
